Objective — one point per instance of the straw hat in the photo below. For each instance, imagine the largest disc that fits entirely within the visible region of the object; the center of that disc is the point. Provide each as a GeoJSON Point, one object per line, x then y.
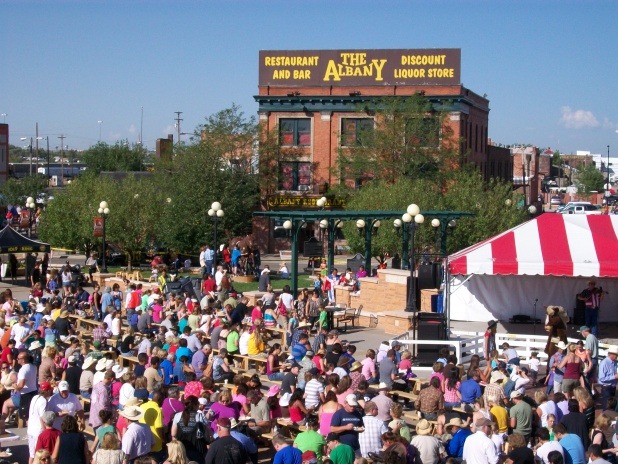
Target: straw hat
{"type": "Point", "coordinates": [612, 349]}
{"type": "Point", "coordinates": [423, 427]}
{"type": "Point", "coordinates": [456, 422]}
{"type": "Point", "coordinates": [133, 402]}
{"type": "Point", "coordinates": [561, 345]}
{"type": "Point", "coordinates": [356, 365]}
{"type": "Point", "coordinates": [132, 413]}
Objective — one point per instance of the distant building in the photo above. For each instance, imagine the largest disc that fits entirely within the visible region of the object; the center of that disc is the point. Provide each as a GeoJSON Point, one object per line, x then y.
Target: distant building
{"type": "Point", "coordinates": [315, 99]}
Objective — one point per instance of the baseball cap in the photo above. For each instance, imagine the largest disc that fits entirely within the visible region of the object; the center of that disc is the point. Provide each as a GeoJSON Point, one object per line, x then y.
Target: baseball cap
{"type": "Point", "coordinates": [583, 328]}
{"type": "Point", "coordinates": [515, 394]}
{"type": "Point", "coordinates": [351, 399]}
{"type": "Point", "coordinates": [482, 422]}
{"type": "Point", "coordinates": [332, 436]}
{"type": "Point", "coordinates": [63, 386]}
{"type": "Point", "coordinates": [45, 386]}
{"type": "Point", "coordinates": [309, 456]}
{"type": "Point", "coordinates": [224, 422]}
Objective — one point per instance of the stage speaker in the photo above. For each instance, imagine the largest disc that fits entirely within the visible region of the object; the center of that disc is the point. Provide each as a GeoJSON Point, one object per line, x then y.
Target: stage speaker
{"type": "Point", "coordinates": [579, 316]}
{"type": "Point", "coordinates": [429, 326]}
{"type": "Point", "coordinates": [429, 276]}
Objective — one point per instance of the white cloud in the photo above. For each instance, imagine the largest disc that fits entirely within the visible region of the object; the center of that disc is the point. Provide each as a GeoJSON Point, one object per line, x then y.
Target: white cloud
{"type": "Point", "coordinates": [607, 124]}
{"type": "Point", "coordinates": [577, 119]}
{"type": "Point", "coordinates": [132, 129]}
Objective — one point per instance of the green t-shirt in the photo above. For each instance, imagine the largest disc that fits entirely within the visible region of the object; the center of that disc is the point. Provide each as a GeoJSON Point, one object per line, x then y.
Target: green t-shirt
{"type": "Point", "coordinates": [101, 431]}
{"type": "Point", "coordinates": [232, 341]}
{"type": "Point", "coordinates": [523, 414]}
{"type": "Point", "coordinates": [342, 454]}
{"type": "Point", "coordinates": [323, 318]}
{"type": "Point", "coordinates": [310, 441]}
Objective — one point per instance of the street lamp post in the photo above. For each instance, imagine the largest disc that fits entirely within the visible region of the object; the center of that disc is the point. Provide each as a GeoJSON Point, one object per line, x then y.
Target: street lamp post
{"type": "Point", "coordinates": [413, 218]}
{"type": "Point", "coordinates": [99, 123]}
{"type": "Point", "coordinates": [369, 230]}
{"type": "Point", "coordinates": [398, 225]}
{"type": "Point", "coordinates": [30, 205]}
{"type": "Point", "coordinates": [103, 211]}
{"type": "Point", "coordinates": [216, 212]}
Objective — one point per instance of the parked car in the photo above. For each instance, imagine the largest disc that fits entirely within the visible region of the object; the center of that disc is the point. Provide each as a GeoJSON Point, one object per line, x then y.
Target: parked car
{"type": "Point", "coordinates": [556, 200]}
{"type": "Point", "coordinates": [581, 209]}
{"type": "Point", "coordinates": [572, 203]}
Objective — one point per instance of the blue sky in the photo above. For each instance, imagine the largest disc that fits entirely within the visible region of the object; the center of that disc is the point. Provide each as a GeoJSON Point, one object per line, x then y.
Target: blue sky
{"type": "Point", "coordinates": [545, 65]}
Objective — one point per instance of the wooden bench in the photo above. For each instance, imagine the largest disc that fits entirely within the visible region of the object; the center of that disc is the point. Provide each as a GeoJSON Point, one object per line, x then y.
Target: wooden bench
{"type": "Point", "coordinates": [128, 361]}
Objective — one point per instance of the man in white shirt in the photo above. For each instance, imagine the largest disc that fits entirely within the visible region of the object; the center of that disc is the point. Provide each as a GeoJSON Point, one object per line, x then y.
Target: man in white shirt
{"type": "Point", "coordinates": [218, 275]}
{"type": "Point", "coordinates": [35, 416]}
{"type": "Point", "coordinates": [478, 447]}
{"type": "Point", "coordinates": [547, 446]}
{"type": "Point", "coordinates": [64, 403]}
{"type": "Point", "coordinates": [20, 332]}
{"type": "Point", "coordinates": [370, 439]}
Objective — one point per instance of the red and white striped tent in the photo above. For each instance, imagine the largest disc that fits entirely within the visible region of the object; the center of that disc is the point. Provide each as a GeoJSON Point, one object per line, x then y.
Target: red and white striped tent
{"type": "Point", "coordinates": [545, 261]}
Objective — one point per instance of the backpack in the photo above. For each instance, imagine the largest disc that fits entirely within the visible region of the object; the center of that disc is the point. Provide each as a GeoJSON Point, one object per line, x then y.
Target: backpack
{"type": "Point", "coordinates": [195, 433]}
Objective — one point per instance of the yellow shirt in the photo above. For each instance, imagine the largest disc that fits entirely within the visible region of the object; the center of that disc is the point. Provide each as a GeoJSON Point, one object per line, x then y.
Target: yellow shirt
{"type": "Point", "coordinates": [502, 418]}
{"type": "Point", "coordinates": [253, 347]}
{"type": "Point", "coordinates": [153, 417]}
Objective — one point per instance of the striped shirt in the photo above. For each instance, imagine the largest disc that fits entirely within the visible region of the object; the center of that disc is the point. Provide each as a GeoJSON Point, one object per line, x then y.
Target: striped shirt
{"type": "Point", "coordinates": [313, 388]}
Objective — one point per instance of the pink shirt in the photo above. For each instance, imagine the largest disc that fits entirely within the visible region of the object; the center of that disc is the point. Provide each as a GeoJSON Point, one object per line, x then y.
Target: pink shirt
{"type": "Point", "coordinates": [369, 368]}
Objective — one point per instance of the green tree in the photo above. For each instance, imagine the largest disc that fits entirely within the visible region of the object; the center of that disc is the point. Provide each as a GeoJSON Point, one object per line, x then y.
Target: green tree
{"type": "Point", "coordinates": [16, 191]}
{"type": "Point", "coordinates": [409, 138]}
{"type": "Point", "coordinates": [466, 192]}
{"type": "Point", "coordinates": [118, 157]}
{"type": "Point", "coordinates": [215, 168]}
{"type": "Point", "coordinates": [589, 179]}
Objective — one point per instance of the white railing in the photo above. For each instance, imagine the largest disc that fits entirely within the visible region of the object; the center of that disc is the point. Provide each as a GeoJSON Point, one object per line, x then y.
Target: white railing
{"type": "Point", "coordinates": [466, 344]}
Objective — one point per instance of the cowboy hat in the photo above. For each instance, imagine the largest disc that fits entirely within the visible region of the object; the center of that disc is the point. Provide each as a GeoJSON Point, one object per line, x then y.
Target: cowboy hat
{"type": "Point", "coordinates": [423, 427]}
{"type": "Point", "coordinates": [455, 422]}
{"type": "Point", "coordinates": [104, 364]}
{"type": "Point", "coordinates": [383, 386]}
{"type": "Point", "coordinates": [356, 365]}
{"type": "Point", "coordinates": [561, 345]}
{"type": "Point", "coordinates": [233, 423]}
{"type": "Point", "coordinates": [119, 371]}
{"type": "Point", "coordinates": [132, 402]}
{"type": "Point", "coordinates": [303, 324]}
{"type": "Point", "coordinates": [89, 361]}
{"type": "Point", "coordinates": [491, 324]}
{"type": "Point", "coordinates": [35, 345]}
{"type": "Point", "coordinates": [273, 391]}
{"type": "Point", "coordinates": [132, 413]}
{"type": "Point", "coordinates": [612, 349]}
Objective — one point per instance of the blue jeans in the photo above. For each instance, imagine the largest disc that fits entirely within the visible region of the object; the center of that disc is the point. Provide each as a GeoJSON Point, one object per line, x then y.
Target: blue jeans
{"type": "Point", "coordinates": [276, 376]}
{"type": "Point", "coordinates": [591, 316]}
{"type": "Point", "coordinates": [85, 393]}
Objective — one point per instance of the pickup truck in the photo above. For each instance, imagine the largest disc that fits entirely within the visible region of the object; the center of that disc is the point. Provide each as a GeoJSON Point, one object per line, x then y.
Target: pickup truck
{"type": "Point", "coordinates": [581, 209]}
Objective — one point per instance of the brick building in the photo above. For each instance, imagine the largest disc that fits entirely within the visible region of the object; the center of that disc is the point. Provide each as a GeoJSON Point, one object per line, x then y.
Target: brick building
{"type": "Point", "coordinates": [315, 99]}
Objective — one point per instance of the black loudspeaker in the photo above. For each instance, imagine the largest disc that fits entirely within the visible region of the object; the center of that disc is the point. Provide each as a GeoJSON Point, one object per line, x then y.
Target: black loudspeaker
{"type": "Point", "coordinates": [579, 316]}
{"type": "Point", "coordinates": [429, 326]}
{"type": "Point", "coordinates": [429, 276]}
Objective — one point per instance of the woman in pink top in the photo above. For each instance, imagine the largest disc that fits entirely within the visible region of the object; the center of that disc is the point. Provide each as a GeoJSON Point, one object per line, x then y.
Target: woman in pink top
{"type": "Point", "coordinates": [256, 312]}
{"type": "Point", "coordinates": [326, 411]}
{"type": "Point", "coordinates": [223, 408]}
{"type": "Point", "coordinates": [157, 312]}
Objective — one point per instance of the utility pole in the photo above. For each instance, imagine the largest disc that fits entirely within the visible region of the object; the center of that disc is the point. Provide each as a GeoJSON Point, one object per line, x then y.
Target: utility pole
{"type": "Point", "coordinates": [178, 119]}
{"type": "Point", "coordinates": [48, 176]}
{"type": "Point", "coordinates": [37, 150]}
{"type": "Point", "coordinates": [141, 129]}
{"type": "Point", "coordinates": [61, 137]}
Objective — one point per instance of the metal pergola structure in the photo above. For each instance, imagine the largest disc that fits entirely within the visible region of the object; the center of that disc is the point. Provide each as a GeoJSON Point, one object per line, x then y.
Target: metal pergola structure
{"type": "Point", "coordinates": [332, 218]}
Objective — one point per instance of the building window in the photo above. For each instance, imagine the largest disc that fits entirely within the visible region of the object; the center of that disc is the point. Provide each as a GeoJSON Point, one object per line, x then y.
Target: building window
{"type": "Point", "coordinates": [353, 130]}
{"type": "Point", "coordinates": [423, 132]}
{"type": "Point", "coordinates": [295, 132]}
{"type": "Point", "coordinates": [295, 175]}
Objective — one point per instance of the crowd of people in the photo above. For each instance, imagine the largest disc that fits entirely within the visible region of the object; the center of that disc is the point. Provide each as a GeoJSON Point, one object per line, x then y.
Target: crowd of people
{"type": "Point", "coordinates": [186, 397]}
